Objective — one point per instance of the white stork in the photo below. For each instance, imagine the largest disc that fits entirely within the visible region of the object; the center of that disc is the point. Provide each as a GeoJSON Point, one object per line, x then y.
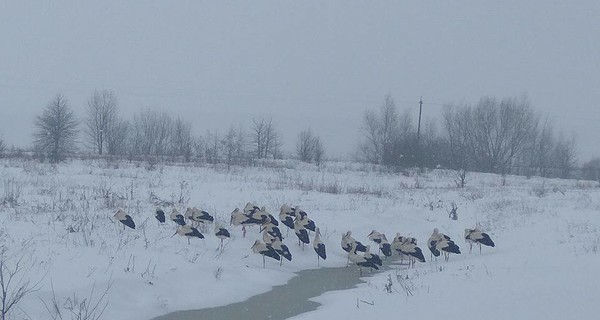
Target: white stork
{"type": "Point", "coordinates": [201, 216]}
{"type": "Point", "coordinates": [408, 246]}
{"type": "Point", "coordinates": [372, 257]}
{"type": "Point", "coordinates": [286, 216]}
{"type": "Point", "coordinates": [360, 260]}
{"type": "Point", "coordinates": [382, 242]}
{"type": "Point", "coordinates": [479, 237]}
{"type": "Point", "coordinates": [177, 217]}
{"type": "Point", "coordinates": [319, 246]}
{"type": "Point", "coordinates": [189, 232]}
{"type": "Point", "coordinates": [301, 233]}
{"type": "Point", "coordinates": [261, 248]}
{"type": "Point", "coordinates": [278, 246]}
{"type": "Point", "coordinates": [222, 234]}
{"type": "Point", "coordinates": [439, 242]}
{"type": "Point", "coordinates": [124, 218]}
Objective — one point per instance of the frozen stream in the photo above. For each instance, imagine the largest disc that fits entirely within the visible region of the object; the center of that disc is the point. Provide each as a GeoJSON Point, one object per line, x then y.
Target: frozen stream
{"type": "Point", "coordinates": [283, 301]}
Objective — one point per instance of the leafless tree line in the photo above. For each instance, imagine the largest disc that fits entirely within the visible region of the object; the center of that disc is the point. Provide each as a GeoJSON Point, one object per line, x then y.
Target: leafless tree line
{"type": "Point", "coordinates": [495, 135]}
{"type": "Point", "coordinates": [149, 133]}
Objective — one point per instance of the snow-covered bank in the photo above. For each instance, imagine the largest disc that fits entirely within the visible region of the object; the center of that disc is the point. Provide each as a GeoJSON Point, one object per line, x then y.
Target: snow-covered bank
{"type": "Point", "coordinates": [546, 233]}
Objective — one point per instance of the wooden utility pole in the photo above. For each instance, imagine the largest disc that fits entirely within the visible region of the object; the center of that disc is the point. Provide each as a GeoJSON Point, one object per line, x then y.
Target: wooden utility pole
{"type": "Point", "coordinates": [420, 110]}
{"type": "Point", "coordinates": [419, 132]}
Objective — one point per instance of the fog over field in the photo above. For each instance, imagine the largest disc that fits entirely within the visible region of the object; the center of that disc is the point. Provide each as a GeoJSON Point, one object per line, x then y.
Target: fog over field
{"type": "Point", "coordinates": [219, 64]}
{"type": "Point", "coordinates": [173, 160]}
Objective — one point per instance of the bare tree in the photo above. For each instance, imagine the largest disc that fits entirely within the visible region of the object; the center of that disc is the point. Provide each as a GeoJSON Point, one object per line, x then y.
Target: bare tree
{"type": "Point", "coordinates": [305, 146]}
{"type": "Point", "coordinates": [380, 131]}
{"type": "Point", "coordinates": [543, 148]}
{"type": "Point", "coordinates": [212, 147]}
{"type": "Point", "coordinates": [101, 115]}
{"type": "Point", "coordinates": [2, 147]}
{"type": "Point", "coordinates": [564, 155]}
{"type": "Point", "coordinates": [56, 129]}
{"type": "Point", "coordinates": [14, 279]}
{"type": "Point", "coordinates": [457, 122]}
{"type": "Point", "coordinates": [241, 146]}
{"type": "Point", "coordinates": [318, 150]}
{"type": "Point", "coordinates": [116, 140]}
{"type": "Point", "coordinates": [388, 137]}
{"type": "Point", "coordinates": [230, 146]}
{"type": "Point", "coordinates": [309, 147]}
{"type": "Point", "coordinates": [181, 139]}
{"type": "Point", "coordinates": [591, 169]}
{"type": "Point", "coordinates": [492, 133]}
{"type": "Point", "coordinates": [151, 133]}
{"type": "Point", "coordinates": [265, 138]}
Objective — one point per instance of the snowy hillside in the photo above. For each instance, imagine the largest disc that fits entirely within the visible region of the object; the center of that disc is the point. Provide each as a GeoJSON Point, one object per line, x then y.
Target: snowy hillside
{"type": "Point", "coordinates": [59, 221]}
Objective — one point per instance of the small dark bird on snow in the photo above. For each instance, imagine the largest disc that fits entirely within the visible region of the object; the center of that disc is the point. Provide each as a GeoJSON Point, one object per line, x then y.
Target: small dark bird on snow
{"type": "Point", "coordinates": [222, 234]}
{"type": "Point", "coordinates": [160, 215]}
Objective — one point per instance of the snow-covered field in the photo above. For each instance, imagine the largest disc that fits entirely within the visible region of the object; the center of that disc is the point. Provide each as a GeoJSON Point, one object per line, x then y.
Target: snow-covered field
{"type": "Point", "coordinates": [59, 220]}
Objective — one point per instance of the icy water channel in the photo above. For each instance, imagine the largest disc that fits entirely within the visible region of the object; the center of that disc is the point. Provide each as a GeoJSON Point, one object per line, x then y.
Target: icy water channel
{"type": "Point", "coordinates": [283, 301]}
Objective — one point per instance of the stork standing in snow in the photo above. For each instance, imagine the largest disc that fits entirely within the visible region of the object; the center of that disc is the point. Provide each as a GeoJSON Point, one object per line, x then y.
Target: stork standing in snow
{"type": "Point", "coordinates": [372, 257]}
{"type": "Point", "coordinates": [382, 242]}
{"type": "Point", "coordinates": [439, 242]}
{"type": "Point", "coordinates": [319, 246]}
{"type": "Point", "coordinates": [272, 230]}
{"type": "Point", "coordinates": [360, 260]}
{"type": "Point", "coordinates": [479, 237]}
{"type": "Point", "coordinates": [261, 248]}
{"type": "Point", "coordinates": [303, 219]}
{"type": "Point", "coordinates": [189, 232]}
{"type": "Point", "coordinates": [385, 247]}
{"type": "Point", "coordinates": [348, 240]}
{"type": "Point", "coordinates": [240, 218]}
{"type": "Point", "coordinates": [177, 217]}
{"type": "Point", "coordinates": [250, 208]}
{"type": "Point", "coordinates": [408, 246]}
{"type": "Point", "coordinates": [124, 218]}
{"type": "Point", "coordinates": [286, 215]}
{"type": "Point", "coordinates": [278, 246]}
{"type": "Point", "coordinates": [160, 216]}
{"type": "Point", "coordinates": [222, 234]}
{"type": "Point", "coordinates": [301, 233]}
{"type": "Point", "coordinates": [201, 216]}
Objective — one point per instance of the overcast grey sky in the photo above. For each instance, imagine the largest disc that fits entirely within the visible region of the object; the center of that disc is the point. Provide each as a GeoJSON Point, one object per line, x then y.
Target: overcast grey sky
{"type": "Point", "coordinates": [315, 64]}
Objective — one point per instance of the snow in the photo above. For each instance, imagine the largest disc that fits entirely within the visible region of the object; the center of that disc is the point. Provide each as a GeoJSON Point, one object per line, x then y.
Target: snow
{"type": "Point", "coordinates": [543, 266]}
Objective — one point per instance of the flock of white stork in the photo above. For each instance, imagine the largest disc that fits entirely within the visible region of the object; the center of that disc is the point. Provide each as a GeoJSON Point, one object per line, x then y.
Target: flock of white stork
{"type": "Point", "coordinates": [294, 218]}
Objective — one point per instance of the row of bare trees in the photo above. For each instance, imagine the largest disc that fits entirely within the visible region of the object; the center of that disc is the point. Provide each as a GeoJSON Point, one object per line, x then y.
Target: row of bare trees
{"type": "Point", "coordinates": [153, 133]}
{"type": "Point", "coordinates": [495, 135]}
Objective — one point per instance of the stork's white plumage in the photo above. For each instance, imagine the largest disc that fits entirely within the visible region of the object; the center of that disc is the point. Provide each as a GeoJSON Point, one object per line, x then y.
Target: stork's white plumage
{"type": "Point", "coordinates": [189, 232]}
{"type": "Point", "coordinates": [439, 242]}
{"type": "Point", "coordinates": [319, 246]}
{"type": "Point", "coordinates": [177, 217]}
{"type": "Point", "coordinates": [261, 248]}
{"type": "Point", "coordinates": [479, 237]}
{"type": "Point", "coordinates": [124, 218]}
{"type": "Point", "coordinates": [360, 260]}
